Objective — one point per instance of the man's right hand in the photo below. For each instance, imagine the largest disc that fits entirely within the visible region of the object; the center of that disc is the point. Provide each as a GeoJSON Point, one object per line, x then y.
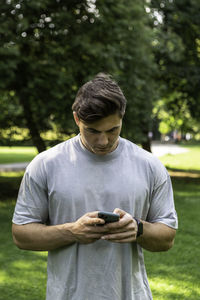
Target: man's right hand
{"type": "Point", "coordinates": [85, 229]}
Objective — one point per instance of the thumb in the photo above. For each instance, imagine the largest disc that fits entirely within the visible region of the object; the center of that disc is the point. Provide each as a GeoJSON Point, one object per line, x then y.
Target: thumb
{"type": "Point", "coordinates": [120, 212]}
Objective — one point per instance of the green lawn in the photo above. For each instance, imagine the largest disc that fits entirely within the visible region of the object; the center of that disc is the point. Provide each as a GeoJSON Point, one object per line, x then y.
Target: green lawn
{"type": "Point", "coordinates": [16, 154]}
{"type": "Point", "coordinates": [188, 161]}
{"type": "Point", "coordinates": [22, 273]}
{"type": "Point", "coordinates": [172, 275]}
{"type": "Point", "coordinates": [175, 274]}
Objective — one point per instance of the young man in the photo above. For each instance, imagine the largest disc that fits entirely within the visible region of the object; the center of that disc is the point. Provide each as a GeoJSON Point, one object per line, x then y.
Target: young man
{"type": "Point", "coordinates": [64, 188]}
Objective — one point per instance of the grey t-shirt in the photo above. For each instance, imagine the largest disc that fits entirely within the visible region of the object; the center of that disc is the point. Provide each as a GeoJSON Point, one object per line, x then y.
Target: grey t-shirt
{"type": "Point", "coordinates": [67, 181]}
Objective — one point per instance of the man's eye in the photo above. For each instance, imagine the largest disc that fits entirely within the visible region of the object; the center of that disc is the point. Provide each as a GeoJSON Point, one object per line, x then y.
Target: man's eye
{"type": "Point", "coordinates": [92, 131]}
{"type": "Point", "coordinates": [112, 130]}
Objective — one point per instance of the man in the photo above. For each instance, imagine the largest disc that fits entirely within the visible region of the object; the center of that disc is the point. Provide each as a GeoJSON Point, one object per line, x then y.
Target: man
{"type": "Point", "coordinates": [64, 188]}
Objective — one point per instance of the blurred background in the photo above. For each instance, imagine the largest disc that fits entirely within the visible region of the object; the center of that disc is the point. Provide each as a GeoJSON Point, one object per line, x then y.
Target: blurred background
{"type": "Point", "coordinates": [48, 49]}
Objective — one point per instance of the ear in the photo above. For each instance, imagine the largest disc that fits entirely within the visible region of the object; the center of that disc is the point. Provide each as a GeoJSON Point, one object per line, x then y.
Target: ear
{"type": "Point", "coordinates": [76, 118]}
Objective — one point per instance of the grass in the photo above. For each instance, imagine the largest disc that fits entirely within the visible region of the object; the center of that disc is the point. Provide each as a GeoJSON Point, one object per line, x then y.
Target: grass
{"type": "Point", "coordinates": [175, 274]}
{"type": "Point", "coordinates": [16, 154]}
{"type": "Point", "coordinates": [22, 273]}
{"type": "Point", "coordinates": [188, 161]}
{"type": "Point", "coordinates": [172, 275]}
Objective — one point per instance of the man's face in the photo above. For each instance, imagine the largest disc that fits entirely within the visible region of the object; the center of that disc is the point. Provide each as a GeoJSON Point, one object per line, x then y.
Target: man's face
{"type": "Point", "coordinates": [100, 137]}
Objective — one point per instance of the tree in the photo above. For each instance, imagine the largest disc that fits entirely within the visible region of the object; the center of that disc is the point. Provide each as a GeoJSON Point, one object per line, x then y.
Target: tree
{"type": "Point", "coordinates": [50, 48]}
{"type": "Point", "coordinates": [177, 50]}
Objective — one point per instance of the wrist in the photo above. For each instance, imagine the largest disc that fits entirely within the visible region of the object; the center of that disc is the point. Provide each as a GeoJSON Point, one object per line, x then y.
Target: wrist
{"type": "Point", "coordinates": [139, 227]}
{"type": "Point", "coordinates": [68, 233]}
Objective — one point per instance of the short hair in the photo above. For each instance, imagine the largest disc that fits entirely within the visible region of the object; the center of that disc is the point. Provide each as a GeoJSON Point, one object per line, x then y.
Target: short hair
{"type": "Point", "coordinates": [99, 98]}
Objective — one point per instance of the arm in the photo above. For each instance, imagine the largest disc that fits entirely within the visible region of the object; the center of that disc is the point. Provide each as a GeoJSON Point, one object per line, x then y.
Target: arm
{"type": "Point", "coordinates": [156, 236]}
{"type": "Point", "coordinates": [40, 237]}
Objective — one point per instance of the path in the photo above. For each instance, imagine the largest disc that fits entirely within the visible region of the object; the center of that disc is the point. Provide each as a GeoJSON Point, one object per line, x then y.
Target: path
{"type": "Point", "coordinates": [159, 149]}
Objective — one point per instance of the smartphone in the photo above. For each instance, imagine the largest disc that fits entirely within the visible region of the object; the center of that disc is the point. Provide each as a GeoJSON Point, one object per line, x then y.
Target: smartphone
{"type": "Point", "coordinates": [108, 216]}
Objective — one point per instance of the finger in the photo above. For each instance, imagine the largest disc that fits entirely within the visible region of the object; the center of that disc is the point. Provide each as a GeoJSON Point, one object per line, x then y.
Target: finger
{"type": "Point", "coordinates": [119, 211]}
{"type": "Point", "coordinates": [121, 230]}
{"type": "Point", "coordinates": [125, 221]}
{"type": "Point", "coordinates": [127, 240]}
{"type": "Point", "coordinates": [94, 221]}
{"type": "Point", "coordinates": [119, 236]}
{"type": "Point", "coordinates": [92, 214]}
{"type": "Point", "coordinates": [89, 239]}
{"type": "Point", "coordinates": [96, 236]}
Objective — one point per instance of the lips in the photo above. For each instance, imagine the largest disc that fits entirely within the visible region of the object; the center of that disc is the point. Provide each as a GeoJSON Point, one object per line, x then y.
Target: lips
{"type": "Point", "coordinates": [102, 149]}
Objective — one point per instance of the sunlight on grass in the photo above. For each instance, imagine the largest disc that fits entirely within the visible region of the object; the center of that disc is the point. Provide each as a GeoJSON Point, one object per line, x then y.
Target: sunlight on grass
{"type": "Point", "coordinates": [184, 161]}
{"type": "Point", "coordinates": [12, 174]}
{"type": "Point", "coordinates": [18, 150]}
{"type": "Point", "coordinates": [165, 289]}
{"type": "Point", "coordinates": [21, 264]}
{"type": "Point", "coordinates": [3, 276]}
{"type": "Point", "coordinates": [41, 253]}
{"type": "Point", "coordinates": [17, 154]}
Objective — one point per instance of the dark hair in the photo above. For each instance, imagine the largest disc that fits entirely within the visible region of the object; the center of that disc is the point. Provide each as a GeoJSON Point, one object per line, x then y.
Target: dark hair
{"type": "Point", "coordinates": [99, 98]}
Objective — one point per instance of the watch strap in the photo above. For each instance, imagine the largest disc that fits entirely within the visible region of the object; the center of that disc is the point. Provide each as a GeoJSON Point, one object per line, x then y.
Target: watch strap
{"type": "Point", "coordinates": [139, 226]}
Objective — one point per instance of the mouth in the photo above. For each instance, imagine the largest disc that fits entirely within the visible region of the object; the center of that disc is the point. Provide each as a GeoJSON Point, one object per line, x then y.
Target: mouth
{"type": "Point", "coordinates": [102, 149]}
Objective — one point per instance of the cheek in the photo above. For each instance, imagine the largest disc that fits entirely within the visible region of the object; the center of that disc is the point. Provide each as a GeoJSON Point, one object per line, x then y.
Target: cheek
{"type": "Point", "coordinates": [115, 136]}
{"type": "Point", "coordinates": [89, 139]}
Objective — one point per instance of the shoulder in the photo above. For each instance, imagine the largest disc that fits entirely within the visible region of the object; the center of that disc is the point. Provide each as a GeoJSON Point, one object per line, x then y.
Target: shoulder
{"type": "Point", "coordinates": [45, 160]}
{"type": "Point", "coordinates": [145, 161]}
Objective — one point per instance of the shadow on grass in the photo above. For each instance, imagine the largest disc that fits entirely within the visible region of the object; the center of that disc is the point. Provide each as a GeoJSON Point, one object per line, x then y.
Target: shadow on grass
{"type": "Point", "coordinates": [9, 185]}
{"type": "Point", "coordinates": [22, 273]}
{"type": "Point", "coordinates": [175, 274]}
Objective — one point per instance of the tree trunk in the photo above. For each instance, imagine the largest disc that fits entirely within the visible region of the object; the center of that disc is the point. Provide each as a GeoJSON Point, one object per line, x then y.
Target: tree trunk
{"type": "Point", "coordinates": [31, 124]}
{"type": "Point", "coordinates": [147, 144]}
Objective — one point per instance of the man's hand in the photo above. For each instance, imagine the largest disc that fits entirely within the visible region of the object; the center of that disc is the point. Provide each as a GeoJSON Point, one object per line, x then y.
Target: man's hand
{"type": "Point", "coordinates": [123, 231]}
{"type": "Point", "coordinates": [156, 236]}
{"type": "Point", "coordinates": [85, 229]}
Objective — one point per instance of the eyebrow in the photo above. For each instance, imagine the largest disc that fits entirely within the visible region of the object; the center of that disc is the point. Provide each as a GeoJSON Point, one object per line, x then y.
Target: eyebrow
{"type": "Point", "coordinates": [97, 131]}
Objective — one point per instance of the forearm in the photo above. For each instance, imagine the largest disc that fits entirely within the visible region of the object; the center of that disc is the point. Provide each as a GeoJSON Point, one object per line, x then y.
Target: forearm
{"type": "Point", "coordinates": [156, 237]}
{"type": "Point", "coordinates": [40, 237]}
{"type": "Point", "coordinates": [36, 236]}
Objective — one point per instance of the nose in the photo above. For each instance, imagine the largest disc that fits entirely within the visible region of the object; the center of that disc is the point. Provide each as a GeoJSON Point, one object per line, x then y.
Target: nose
{"type": "Point", "coordinates": [103, 140]}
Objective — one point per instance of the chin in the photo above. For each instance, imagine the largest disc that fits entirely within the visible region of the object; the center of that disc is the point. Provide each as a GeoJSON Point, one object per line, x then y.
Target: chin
{"type": "Point", "coordinates": [101, 152]}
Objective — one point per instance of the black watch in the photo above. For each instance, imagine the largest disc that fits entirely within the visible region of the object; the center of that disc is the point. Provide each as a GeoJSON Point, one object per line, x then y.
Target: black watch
{"type": "Point", "coordinates": [140, 227]}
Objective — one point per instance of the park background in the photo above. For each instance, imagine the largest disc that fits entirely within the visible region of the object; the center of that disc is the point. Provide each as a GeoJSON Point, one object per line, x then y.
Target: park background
{"type": "Point", "coordinates": [48, 49]}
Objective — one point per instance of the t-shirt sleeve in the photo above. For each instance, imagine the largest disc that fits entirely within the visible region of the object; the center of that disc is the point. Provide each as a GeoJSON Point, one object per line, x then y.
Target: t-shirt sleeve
{"type": "Point", "coordinates": [32, 201]}
{"type": "Point", "coordinates": [162, 208]}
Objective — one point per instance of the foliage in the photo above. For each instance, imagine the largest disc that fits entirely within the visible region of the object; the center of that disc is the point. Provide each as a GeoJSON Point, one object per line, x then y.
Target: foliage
{"type": "Point", "coordinates": [176, 24]}
{"type": "Point", "coordinates": [173, 113]}
{"type": "Point", "coordinates": [50, 48]}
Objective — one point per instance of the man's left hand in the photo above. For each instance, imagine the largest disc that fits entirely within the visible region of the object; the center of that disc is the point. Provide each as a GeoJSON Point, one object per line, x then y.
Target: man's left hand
{"type": "Point", "coordinates": [123, 231]}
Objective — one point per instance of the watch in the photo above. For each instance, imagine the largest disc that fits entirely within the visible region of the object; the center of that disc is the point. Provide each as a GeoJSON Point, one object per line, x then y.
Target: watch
{"type": "Point", "coordinates": [140, 227]}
